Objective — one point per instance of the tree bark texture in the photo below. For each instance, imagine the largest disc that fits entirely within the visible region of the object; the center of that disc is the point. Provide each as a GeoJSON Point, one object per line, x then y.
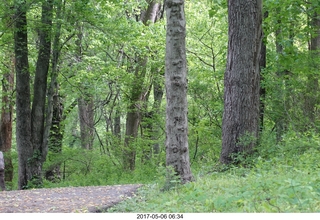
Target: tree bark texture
{"type": "Point", "coordinates": [86, 118]}
{"type": "Point", "coordinates": [177, 150]}
{"type": "Point", "coordinates": [240, 125]}
{"type": "Point", "coordinates": [40, 92]}
{"type": "Point", "coordinates": [23, 111]}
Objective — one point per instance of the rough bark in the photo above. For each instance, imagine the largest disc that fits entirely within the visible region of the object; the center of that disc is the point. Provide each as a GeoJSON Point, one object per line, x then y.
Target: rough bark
{"type": "Point", "coordinates": [40, 93]}
{"type": "Point", "coordinates": [23, 111]}
{"type": "Point", "coordinates": [86, 119]}
{"type": "Point", "coordinates": [240, 123]}
{"type": "Point", "coordinates": [177, 149]}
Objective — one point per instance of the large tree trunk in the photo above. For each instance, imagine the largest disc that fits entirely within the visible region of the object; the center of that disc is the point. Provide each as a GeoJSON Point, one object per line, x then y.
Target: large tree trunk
{"type": "Point", "coordinates": [177, 149]}
{"type": "Point", "coordinates": [40, 93]}
{"type": "Point", "coordinates": [23, 111]}
{"type": "Point", "coordinates": [240, 123]}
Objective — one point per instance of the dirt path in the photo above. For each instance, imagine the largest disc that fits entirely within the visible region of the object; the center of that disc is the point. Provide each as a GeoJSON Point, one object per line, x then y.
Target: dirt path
{"type": "Point", "coordinates": [65, 200]}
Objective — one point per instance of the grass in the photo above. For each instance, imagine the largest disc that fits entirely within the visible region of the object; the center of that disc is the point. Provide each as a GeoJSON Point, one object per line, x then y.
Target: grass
{"type": "Point", "coordinates": [284, 184]}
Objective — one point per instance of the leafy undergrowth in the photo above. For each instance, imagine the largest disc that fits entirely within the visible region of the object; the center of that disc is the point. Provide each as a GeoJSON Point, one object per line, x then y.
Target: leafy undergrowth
{"type": "Point", "coordinates": [286, 183]}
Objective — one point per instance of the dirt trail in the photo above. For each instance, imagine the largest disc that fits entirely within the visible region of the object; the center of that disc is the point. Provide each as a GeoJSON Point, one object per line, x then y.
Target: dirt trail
{"type": "Point", "coordinates": [65, 200]}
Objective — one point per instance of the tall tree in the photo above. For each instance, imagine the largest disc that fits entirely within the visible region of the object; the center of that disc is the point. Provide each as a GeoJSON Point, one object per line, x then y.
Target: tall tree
{"type": "Point", "coordinates": [263, 64]}
{"type": "Point", "coordinates": [7, 94]}
{"type": "Point", "coordinates": [40, 92]}
{"type": "Point", "coordinates": [313, 83]}
{"type": "Point", "coordinates": [23, 111]}
{"type": "Point", "coordinates": [138, 92]}
{"type": "Point", "coordinates": [30, 122]}
{"type": "Point", "coordinates": [240, 123]}
{"type": "Point", "coordinates": [177, 149]}
{"type": "Point", "coordinates": [85, 101]}
{"type": "Point", "coordinates": [6, 117]}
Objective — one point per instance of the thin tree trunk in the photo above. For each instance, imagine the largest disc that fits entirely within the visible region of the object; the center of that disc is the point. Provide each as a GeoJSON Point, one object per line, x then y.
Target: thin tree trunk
{"type": "Point", "coordinates": [54, 102]}
{"type": "Point", "coordinates": [40, 92]}
{"type": "Point", "coordinates": [86, 118]}
{"type": "Point", "coordinates": [133, 118]}
{"type": "Point", "coordinates": [240, 123]}
{"type": "Point", "coordinates": [177, 149]}
{"type": "Point", "coordinates": [6, 118]}
{"type": "Point", "coordinates": [54, 130]}
{"type": "Point", "coordinates": [85, 103]}
{"type": "Point", "coordinates": [282, 101]}
{"type": "Point", "coordinates": [263, 64]}
{"type": "Point", "coordinates": [150, 118]}
{"type": "Point", "coordinates": [158, 91]}
{"type": "Point", "coordinates": [57, 132]}
{"type": "Point", "coordinates": [312, 99]}
{"type": "Point", "coordinates": [138, 91]}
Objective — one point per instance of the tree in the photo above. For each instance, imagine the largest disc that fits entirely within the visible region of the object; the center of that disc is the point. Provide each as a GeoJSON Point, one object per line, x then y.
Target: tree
{"type": "Point", "coordinates": [23, 111]}
{"type": "Point", "coordinates": [6, 118]}
{"type": "Point", "coordinates": [240, 123]}
{"type": "Point", "coordinates": [139, 91]}
{"type": "Point", "coordinates": [30, 121]}
{"type": "Point", "coordinates": [7, 94]}
{"type": "Point", "coordinates": [313, 83]}
{"type": "Point", "coordinates": [177, 149]}
{"type": "Point", "coordinates": [263, 64]}
{"type": "Point", "coordinates": [40, 93]}
{"type": "Point", "coordinates": [86, 119]}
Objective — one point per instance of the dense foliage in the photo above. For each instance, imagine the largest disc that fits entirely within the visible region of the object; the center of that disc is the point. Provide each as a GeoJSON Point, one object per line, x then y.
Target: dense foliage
{"type": "Point", "coordinates": [100, 44]}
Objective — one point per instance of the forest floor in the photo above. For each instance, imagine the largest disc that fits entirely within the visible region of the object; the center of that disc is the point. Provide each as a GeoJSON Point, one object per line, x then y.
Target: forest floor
{"type": "Point", "coordinates": [65, 200]}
